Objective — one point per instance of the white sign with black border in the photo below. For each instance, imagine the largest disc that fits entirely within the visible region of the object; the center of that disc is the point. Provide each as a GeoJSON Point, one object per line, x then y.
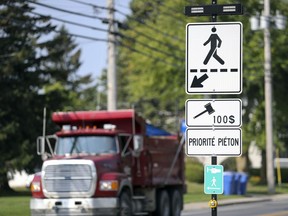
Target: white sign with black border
{"type": "Point", "coordinates": [214, 58]}
{"type": "Point", "coordinates": [217, 142]}
{"type": "Point", "coordinates": [213, 112]}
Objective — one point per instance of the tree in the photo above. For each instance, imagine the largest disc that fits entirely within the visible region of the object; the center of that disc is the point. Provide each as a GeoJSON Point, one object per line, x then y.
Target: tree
{"type": "Point", "coordinates": [30, 66]}
{"type": "Point", "coordinates": [152, 59]}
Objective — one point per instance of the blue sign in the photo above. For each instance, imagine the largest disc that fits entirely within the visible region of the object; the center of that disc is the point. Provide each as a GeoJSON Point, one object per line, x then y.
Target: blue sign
{"type": "Point", "coordinates": [213, 179]}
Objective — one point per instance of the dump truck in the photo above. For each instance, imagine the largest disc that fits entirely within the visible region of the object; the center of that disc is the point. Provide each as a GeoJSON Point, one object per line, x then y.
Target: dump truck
{"type": "Point", "coordinates": [108, 163]}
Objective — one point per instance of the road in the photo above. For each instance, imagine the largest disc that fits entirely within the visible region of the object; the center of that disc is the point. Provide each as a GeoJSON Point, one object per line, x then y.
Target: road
{"type": "Point", "coordinates": [277, 207]}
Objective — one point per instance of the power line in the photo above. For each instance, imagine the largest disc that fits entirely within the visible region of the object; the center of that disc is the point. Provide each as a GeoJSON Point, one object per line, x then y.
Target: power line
{"type": "Point", "coordinates": [104, 30]}
{"type": "Point", "coordinates": [103, 19]}
{"type": "Point", "coordinates": [86, 37]}
{"type": "Point", "coordinates": [57, 31]}
{"type": "Point", "coordinates": [71, 22]}
{"type": "Point", "coordinates": [151, 27]}
{"type": "Point", "coordinates": [68, 11]}
{"type": "Point", "coordinates": [154, 39]}
{"type": "Point", "coordinates": [150, 47]}
{"type": "Point", "coordinates": [148, 55]}
{"type": "Point", "coordinates": [105, 40]}
{"type": "Point", "coordinates": [93, 5]}
{"type": "Point", "coordinates": [128, 17]}
{"type": "Point", "coordinates": [121, 35]}
{"type": "Point", "coordinates": [123, 45]}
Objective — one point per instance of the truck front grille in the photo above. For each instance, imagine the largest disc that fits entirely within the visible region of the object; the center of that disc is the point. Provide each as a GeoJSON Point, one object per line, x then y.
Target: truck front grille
{"type": "Point", "coordinates": [68, 178]}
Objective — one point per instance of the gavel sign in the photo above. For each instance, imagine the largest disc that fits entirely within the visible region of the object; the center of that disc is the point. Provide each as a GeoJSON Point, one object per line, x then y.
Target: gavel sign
{"type": "Point", "coordinates": [208, 108]}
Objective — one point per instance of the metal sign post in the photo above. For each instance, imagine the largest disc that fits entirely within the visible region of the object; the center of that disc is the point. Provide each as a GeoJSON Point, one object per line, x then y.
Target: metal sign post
{"type": "Point", "coordinates": [209, 109]}
{"type": "Point", "coordinates": [213, 196]}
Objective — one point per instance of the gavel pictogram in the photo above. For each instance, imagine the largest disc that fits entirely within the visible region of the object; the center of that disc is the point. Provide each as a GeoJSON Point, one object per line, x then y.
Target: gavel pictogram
{"type": "Point", "coordinates": [208, 108]}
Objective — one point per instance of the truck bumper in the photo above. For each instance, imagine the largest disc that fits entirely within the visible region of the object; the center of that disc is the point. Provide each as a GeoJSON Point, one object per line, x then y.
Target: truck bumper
{"type": "Point", "coordinates": [74, 206]}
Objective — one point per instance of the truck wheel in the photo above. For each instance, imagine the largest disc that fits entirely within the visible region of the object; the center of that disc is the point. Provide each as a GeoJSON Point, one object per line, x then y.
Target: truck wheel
{"type": "Point", "coordinates": [163, 205]}
{"type": "Point", "coordinates": [176, 203]}
{"type": "Point", "coordinates": [125, 204]}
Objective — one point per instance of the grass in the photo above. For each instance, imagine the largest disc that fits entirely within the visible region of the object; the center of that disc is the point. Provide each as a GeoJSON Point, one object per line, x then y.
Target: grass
{"type": "Point", "coordinates": [17, 202]}
{"type": "Point", "coordinates": [196, 194]}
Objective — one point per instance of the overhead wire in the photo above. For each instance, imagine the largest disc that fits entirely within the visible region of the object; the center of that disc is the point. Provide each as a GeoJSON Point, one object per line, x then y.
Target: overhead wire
{"type": "Point", "coordinates": [129, 17]}
{"type": "Point", "coordinates": [152, 27]}
{"type": "Point", "coordinates": [104, 30]}
{"type": "Point", "coordinates": [122, 35]}
{"type": "Point", "coordinates": [148, 55]}
{"type": "Point", "coordinates": [161, 60]}
{"type": "Point", "coordinates": [72, 23]}
{"type": "Point", "coordinates": [93, 5]}
{"type": "Point", "coordinates": [57, 31]}
{"type": "Point", "coordinates": [68, 11]}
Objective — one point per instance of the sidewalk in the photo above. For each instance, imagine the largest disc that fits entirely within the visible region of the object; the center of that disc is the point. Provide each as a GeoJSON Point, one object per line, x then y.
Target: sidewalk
{"type": "Point", "coordinates": [233, 201]}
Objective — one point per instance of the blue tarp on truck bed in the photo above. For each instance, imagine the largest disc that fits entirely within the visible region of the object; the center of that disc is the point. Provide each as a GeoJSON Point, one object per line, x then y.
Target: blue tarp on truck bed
{"type": "Point", "coordinates": [154, 131]}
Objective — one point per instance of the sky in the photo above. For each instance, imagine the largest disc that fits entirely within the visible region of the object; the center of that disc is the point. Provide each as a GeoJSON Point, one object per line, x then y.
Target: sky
{"type": "Point", "coordinates": [94, 53]}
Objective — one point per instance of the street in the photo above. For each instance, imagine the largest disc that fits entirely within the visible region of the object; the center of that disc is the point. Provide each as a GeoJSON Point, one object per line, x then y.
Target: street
{"type": "Point", "coordinates": [277, 207]}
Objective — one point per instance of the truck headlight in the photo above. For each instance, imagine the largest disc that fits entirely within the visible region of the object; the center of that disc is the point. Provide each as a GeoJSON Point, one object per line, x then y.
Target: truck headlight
{"type": "Point", "coordinates": [35, 187]}
{"type": "Point", "coordinates": [109, 185]}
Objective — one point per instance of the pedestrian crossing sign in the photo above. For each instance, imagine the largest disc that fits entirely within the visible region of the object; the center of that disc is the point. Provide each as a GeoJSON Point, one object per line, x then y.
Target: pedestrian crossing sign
{"type": "Point", "coordinates": [213, 179]}
{"type": "Point", "coordinates": [214, 58]}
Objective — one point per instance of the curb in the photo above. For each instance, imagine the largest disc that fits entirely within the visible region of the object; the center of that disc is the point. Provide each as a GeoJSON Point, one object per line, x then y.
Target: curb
{"type": "Point", "coordinates": [234, 201]}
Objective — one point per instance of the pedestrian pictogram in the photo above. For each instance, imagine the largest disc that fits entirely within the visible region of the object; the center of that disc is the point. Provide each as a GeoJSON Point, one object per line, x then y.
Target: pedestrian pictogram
{"type": "Point", "coordinates": [213, 182]}
{"type": "Point", "coordinates": [214, 58]}
{"type": "Point", "coordinates": [213, 179]}
{"type": "Point", "coordinates": [215, 42]}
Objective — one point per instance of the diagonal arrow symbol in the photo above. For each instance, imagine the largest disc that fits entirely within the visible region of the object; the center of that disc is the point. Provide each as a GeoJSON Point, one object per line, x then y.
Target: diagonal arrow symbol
{"type": "Point", "coordinates": [197, 83]}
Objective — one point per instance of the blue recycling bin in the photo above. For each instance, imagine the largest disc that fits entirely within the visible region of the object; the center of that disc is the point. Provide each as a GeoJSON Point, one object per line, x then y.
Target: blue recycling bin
{"type": "Point", "coordinates": [236, 186]}
{"type": "Point", "coordinates": [243, 184]}
{"type": "Point", "coordinates": [229, 183]}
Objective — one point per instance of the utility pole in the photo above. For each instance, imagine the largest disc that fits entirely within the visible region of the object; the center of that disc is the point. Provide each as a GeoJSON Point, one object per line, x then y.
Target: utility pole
{"type": "Point", "coordinates": [268, 101]}
{"type": "Point", "coordinates": [111, 73]}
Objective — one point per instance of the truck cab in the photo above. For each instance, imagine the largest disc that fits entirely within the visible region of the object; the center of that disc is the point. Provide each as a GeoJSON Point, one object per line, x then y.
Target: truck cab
{"type": "Point", "coordinates": [105, 163]}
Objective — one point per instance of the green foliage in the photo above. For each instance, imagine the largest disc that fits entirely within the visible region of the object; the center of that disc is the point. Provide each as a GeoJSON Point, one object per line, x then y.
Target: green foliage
{"type": "Point", "coordinates": [229, 164]}
{"type": "Point", "coordinates": [194, 171]}
{"type": "Point", "coordinates": [151, 60]}
{"type": "Point", "coordinates": [36, 71]}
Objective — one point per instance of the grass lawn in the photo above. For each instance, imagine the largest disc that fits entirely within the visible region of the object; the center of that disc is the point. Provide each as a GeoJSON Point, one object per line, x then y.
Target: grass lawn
{"type": "Point", "coordinates": [196, 194]}
{"type": "Point", "coordinates": [17, 203]}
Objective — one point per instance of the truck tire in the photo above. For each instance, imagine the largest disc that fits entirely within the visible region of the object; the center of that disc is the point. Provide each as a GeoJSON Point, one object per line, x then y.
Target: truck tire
{"type": "Point", "coordinates": [125, 204]}
{"type": "Point", "coordinates": [176, 203]}
{"type": "Point", "coordinates": [163, 204]}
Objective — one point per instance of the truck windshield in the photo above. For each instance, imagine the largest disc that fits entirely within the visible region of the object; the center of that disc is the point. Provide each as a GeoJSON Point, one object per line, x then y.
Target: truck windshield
{"type": "Point", "coordinates": [86, 145]}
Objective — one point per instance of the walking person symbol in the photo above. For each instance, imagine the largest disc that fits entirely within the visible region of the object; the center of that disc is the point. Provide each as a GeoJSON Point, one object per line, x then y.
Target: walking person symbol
{"type": "Point", "coordinates": [213, 182]}
{"type": "Point", "coordinates": [215, 42]}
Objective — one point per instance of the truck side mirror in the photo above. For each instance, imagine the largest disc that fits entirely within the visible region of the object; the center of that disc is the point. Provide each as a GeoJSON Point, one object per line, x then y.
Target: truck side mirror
{"type": "Point", "coordinates": [40, 145]}
{"type": "Point", "coordinates": [137, 144]}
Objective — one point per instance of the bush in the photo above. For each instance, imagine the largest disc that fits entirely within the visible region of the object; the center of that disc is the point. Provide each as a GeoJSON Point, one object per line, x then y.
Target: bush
{"type": "Point", "coordinates": [194, 171]}
{"type": "Point", "coordinates": [229, 164]}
